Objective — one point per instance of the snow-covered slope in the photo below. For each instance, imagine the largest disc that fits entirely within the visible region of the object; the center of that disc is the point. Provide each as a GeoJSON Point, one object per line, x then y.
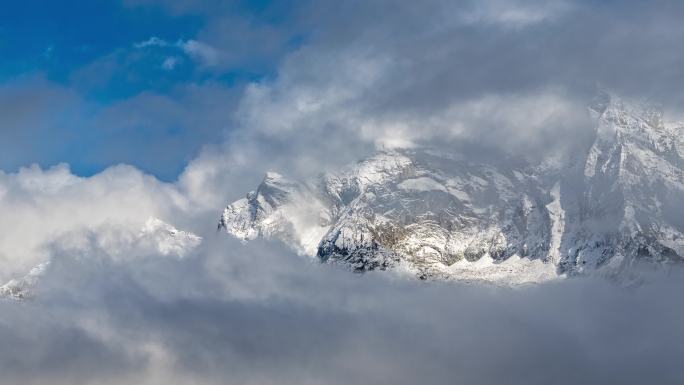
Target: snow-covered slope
{"type": "Point", "coordinates": [21, 288]}
{"type": "Point", "coordinates": [632, 203]}
{"type": "Point", "coordinates": [159, 236]}
{"type": "Point", "coordinates": [440, 215]}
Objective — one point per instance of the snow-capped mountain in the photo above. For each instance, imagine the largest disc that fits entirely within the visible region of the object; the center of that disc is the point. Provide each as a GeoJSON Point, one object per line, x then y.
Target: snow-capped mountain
{"type": "Point", "coordinates": [441, 215]}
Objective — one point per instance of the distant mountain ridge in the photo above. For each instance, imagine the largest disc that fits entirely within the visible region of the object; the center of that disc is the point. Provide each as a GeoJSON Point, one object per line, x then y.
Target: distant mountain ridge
{"type": "Point", "coordinates": [443, 216]}
{"type": "Point", "coordinates": [156, 237]}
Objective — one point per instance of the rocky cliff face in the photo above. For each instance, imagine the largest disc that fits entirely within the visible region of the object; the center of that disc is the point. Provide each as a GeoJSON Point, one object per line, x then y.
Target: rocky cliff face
{"type": "Point", "coordinates": [440, 215]}
{"type": "Point", "coordinates": [631, 205]}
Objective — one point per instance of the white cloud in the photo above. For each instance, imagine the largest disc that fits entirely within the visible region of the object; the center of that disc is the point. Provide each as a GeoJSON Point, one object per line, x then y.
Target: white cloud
{"type": "Point", "coordinates": [170, 63]}
{"type": "Point", "coordinates": [203, 53]}
{"type": "Point", "coordinates": [41, 206]}
{"type": "Point", "coordinates": [200, 51]}
{"type": "Point", "coordinates": [152, 42]}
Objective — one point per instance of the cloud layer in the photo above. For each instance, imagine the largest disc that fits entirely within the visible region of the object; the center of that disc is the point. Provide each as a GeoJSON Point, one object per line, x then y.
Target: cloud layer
{"type": "Point", "coordinates": [260, 315]}
{"type": "Point", "coordinates": [513, 77]}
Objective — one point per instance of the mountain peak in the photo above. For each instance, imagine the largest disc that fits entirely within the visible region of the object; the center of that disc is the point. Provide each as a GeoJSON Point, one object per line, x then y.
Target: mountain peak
{"type": "Point", "coordinates": [626, 114]}
{"type": "Point", "coordinates": [440, 215]}
{"type": "Point", "coordinates": [272, 177]}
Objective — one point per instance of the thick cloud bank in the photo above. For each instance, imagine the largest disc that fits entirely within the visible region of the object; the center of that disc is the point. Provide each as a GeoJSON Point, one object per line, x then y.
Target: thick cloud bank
{"type": "Point", "coordinates": [111, 309]}
{"type": "Point", "coordinates": [41, 207]}
{"type": "Point", "coordinates": [258, 315]}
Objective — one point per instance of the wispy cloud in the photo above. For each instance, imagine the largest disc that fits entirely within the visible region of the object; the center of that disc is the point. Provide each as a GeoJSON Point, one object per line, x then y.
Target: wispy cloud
{"type": "Point", "coordinates": [151, 42]}
{"type": "Point", "coordinates": [516, 14]}
{"type": "Point", "coordinates": [170, 63]}
{"type": "Point", "coordinates": [203, 53]}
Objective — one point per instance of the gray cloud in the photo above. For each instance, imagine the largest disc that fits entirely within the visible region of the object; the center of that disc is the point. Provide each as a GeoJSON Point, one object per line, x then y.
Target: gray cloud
{"type": "Point", "coordinates": [512, 77]}
{"type": "Point", "coordinates": [258, 315]}
{"type": "Point", "coordinates": [33, 108]}
{"type": "Point", "coordinates": [451, 53]}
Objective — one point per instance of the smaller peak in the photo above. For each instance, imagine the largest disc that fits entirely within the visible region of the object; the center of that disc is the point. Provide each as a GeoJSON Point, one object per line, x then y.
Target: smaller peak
{"type": "Point", "coordinates": [19, 289]}
{"type": "Point", "coordinates": [385, 153]}
{"type": "Point", "coordinates": [272, 175]}
{"type": "Point", "coordinates": [273, 179]}
{"type": "Point", "coordinates": [275, 186]}
{"type": "Point", "coordinates": [610, 106]}
{"type": "Point", "coordinates": [601, 101]}
{"type": "Point", "coordinates": [608, 103]}
{"type": "Point", "coordinates": [395, 152]}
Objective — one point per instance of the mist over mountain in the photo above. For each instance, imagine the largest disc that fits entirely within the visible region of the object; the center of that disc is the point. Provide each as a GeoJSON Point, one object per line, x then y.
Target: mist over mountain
{"type": "Point", "coordinates": [440, 214]}
{"type": "Point", "coordinates": [325, 192]}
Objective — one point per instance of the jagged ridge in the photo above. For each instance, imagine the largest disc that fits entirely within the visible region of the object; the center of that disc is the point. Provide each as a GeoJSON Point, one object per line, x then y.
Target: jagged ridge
{"type": "Point", "coordinates": [439, 215]}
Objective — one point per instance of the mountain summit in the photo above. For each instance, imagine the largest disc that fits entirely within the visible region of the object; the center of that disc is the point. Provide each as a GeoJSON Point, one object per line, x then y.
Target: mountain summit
{"type": "Point", "coordinates": [445, 216]}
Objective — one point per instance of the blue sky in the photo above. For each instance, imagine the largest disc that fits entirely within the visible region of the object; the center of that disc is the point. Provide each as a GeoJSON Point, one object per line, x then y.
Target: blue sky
{"type": "Point", "coordinates": [96, 83]}
{"type": "Point", "coordinates": [59, 37]}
